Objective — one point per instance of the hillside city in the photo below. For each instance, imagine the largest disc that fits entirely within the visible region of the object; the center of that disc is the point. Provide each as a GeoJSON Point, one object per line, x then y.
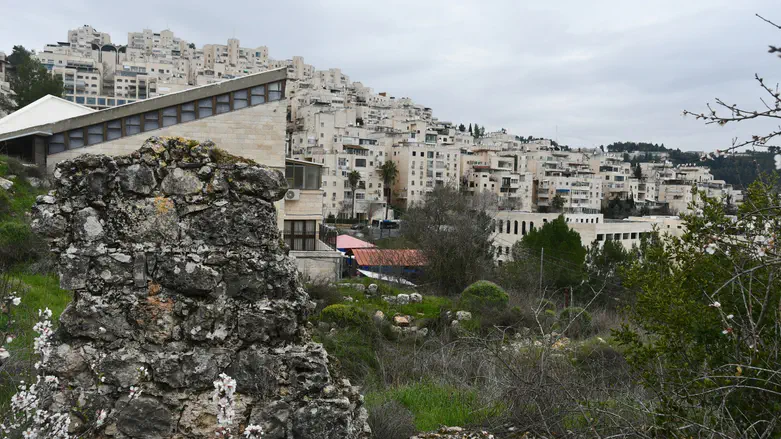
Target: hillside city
{"type": "Point", "coordinates": [345, 126]}
{"type": "Point", "coordinates": [211, 242]}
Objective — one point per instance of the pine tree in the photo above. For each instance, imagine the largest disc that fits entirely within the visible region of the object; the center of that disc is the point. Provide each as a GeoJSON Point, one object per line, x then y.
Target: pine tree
{"type": "Point", "coordinates": [470, 129]}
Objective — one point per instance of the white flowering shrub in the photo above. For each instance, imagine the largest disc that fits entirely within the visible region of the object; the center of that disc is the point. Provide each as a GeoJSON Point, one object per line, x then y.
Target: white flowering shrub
{"type": "Point", "coordinates": [224, 397]}
{"type": "Point", "coordinates": [28, 417]}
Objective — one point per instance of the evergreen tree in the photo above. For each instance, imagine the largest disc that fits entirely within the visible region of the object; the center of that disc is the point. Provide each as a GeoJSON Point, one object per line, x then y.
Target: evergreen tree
{"type": "Point", "coordinates": [470, 129]}
{"type": "Point", "coordinates": [29, 81]}
{"type": "Point", "coordinates": [461, 128]}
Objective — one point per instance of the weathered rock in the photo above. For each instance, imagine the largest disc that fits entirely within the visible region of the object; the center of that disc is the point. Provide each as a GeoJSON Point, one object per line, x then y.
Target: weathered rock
{"type": "Point", "coordinates": [181, 182]}
{"type": "Point", "coordinates": [415, 298]}
{"type": "Point", "coordinates": [174, 257]}
{"type": "Point", "coordinates": [463, 315]}
{"type": "Point", "coordinates": [402, 299]}
{"type": "Point", "coordinates": [378, 316]}
{"type": "Point", "coordinates": [137, 178]}
{"type": "Point", "coordinates": [400, 320]}
{"type": "Point", "coordinates": [145, 418]}
{"type": "Point", "coordinates": [6, 184]}
{"type": "Point", "coordinates": [373, 289]}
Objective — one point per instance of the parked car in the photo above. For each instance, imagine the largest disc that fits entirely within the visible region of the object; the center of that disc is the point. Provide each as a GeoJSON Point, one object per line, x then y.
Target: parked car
{"type": "Point", "coordinates": [358, 226]}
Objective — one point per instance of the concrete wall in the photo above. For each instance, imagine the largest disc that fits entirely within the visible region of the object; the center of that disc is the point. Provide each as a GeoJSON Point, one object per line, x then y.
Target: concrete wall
{"type": "Point", "coordinates": [255, 132]}
{"type": "Point", "coordinates": [323, 266]}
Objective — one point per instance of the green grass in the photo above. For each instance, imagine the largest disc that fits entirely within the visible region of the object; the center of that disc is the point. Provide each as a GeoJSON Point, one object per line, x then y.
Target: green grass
{"type": "Point", "coordinates": [434, 405]}
{"type": "Point", "coordinates": [430, 308]}
{"type": "Point", "coordinates": [37, 292]}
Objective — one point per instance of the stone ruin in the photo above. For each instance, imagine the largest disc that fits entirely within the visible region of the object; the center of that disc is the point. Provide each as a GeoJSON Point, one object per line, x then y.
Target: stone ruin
{"type": "Point", "coordinates": [175, 260]}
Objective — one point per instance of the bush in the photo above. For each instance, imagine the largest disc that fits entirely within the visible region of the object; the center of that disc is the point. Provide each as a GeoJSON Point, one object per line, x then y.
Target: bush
{"type": "Point", "coordinates": [391, 420]}
{"type": "Point", "coordinates": [324, 294]}
{"type": "Point", "coordinates": [484, 296]}
{"type": "Point", "coordinates": [575, 322]}
{"type": "Point", "coordinates": [5, 203]}
{"type": "Point", "coordinates": [345, 316]}
{"type": "Point", "coordinates": [18, 244]}
{"type": "Point", "coordinates": [18, 168]}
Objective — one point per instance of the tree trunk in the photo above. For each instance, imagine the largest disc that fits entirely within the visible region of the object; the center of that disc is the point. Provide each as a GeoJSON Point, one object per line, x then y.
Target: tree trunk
{"type": "Point", "coordinates": [387, 205]}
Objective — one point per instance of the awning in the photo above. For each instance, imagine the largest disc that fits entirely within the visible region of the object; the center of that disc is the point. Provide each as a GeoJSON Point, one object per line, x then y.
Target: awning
{"type": "Point", "coordinates": [385, 277]}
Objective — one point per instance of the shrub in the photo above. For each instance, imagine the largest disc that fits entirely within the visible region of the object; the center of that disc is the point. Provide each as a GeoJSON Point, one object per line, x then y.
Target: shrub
{"type": "Point", "coordinates": [18, 244]}
{"type": "Point", "coordinates": [391, 420]}
{"type": "Point", "coordinates": [5, 203]}
{"type": "Point", "coordinates": [545, 305]}
{"type": "Point", "coordinates": [18, 168]}
{"type": "Point", "coordinates": [345, 316]}
{"type": "Point", "coordinates": [484, 296]}
{"type": "Point", "coordinates": [575, 322]}
{"type": "Point", "coordinates": [324, 294]}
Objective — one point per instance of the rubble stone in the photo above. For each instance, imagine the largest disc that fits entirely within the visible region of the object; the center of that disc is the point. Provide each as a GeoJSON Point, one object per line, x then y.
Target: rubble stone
{"type": "Point", "coordinates": [174, 258]}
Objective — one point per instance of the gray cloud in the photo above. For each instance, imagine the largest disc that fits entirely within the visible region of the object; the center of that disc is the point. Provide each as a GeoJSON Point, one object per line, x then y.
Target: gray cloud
{"type": "Point", "coordinates": [589, 73]}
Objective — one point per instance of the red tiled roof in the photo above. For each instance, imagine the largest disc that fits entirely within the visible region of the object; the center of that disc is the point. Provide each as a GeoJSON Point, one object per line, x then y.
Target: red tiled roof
{"type": "Point", "coordinates": [375, 257]}
{"type": "Point", "coordinates": [347, 242]}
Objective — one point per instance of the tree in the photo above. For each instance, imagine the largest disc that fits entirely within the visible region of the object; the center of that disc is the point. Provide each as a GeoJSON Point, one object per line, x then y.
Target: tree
{"type": "Point", "coordinates": [470, 130]}
{"type": "Point", "coordinates": [638, 172]}
{"type": "Point", "coordinates": [604, 265]}
{"type": "Point", "coordinates": [563, 255]}
{"type": "Point", "coordinates": [353, 178]}
{"type": "Point", "coordinates": [455, 237]}
{"type": "Point", "coordinates": [476, 131]}
{"type": "Point", "coordinates": [461, 128]}
{"type": "Point", "coordinates": [388, 172]}
{"type": "Point", "coordinates": [557, 204]}
{"type": "Point", "coordinates": [29, 81]}
{"type": "Point", "coordinates": [706, 326]}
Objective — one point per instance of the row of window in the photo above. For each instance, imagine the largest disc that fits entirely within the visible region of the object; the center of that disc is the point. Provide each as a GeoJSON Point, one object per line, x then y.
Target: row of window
{"type": "Point", "coordinates": [153, 120]}
{"type": "Point", "coordinates": [500, 226]}
{"type": "Point", "coordinates": [619, 236]}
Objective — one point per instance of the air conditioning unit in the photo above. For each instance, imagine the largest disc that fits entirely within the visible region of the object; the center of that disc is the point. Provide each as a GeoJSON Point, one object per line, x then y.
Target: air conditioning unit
{"type": "Point", "coordinates": [293, 194]}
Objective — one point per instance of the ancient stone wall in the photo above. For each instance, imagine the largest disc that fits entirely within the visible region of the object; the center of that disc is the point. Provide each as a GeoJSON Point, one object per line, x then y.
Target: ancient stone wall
{"type": "Point", "coordinates": [177, 266]}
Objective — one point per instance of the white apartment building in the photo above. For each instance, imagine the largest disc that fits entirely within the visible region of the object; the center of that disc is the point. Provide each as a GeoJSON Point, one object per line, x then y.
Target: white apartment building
{"type": "Point", "coordinates": [485, 172]}
{"type": "Point", "coordinates": [422, 166]}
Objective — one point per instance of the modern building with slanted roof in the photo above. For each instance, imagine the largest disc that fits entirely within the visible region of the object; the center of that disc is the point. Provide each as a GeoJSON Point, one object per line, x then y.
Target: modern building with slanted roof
{"type": "Point", "coordinates": [246, 116]}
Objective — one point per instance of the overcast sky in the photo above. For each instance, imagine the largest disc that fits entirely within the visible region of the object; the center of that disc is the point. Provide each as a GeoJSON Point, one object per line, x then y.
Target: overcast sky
{"type": "Point", "coordinates": [587, 73]}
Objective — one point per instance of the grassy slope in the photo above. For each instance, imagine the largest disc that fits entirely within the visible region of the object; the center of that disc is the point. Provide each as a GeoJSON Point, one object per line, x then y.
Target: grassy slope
{"type": "Point", "coordinates": [38, 291]}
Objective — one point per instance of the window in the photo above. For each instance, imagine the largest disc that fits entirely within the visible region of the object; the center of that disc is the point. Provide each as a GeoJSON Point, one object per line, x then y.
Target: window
{"type": "Point", "coordinates": [240, 99]}
{"type": "Point", "coordinates": [516, 228]}
{"type": "Point", "coordinates": [302, 176]}
{"type": "Point", "coordinates": [430, 155]}
{"type": "Point", "coordinates": [169, 116]}
{"type": "Point", "coordinates": [76, 138]}
{"type": "Point", "coordinates": [617, 236]}
{"type": "Point", "coordinates": [57, 143]}
{"type": "Point", "coordinates": [132, 125]}
{"type": "Point", "coordinates": [223, 103]}
{"type": "Point", "coordinates": [360, 163]}
{"type": "Point", "coordinates": [188, 112]}
{"type": "Point", "coordinates": [301, 235]}
{"type": "Point", "coordinates": [205, 108]}
{"type": "Point", "coordinates": [258, 95]}
{"type": "Point", "coordinates": [151, 121]}
{"type": "Point", "coordinates": [94, 134]}
{"type": "Point", "coordinates": [626, 235]}
{"type": "Point", "coordinates": [360, 196]}
{"type": "Point", "coordinates": [114, 130]}
{"type": "Point", "coordinates": [634, 235]}
{"type": "Point", "coordinates": [275, 91]}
